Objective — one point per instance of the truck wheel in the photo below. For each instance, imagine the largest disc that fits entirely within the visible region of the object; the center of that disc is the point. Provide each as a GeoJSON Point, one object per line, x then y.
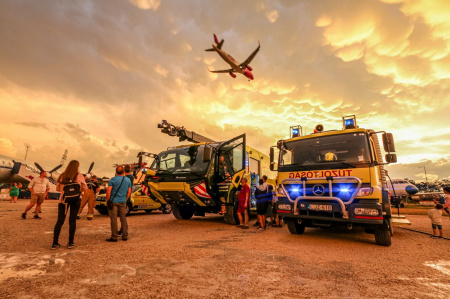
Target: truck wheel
{"type": "Point", "coordinates": [128, 209]}
{"type": "Point", "coordinates": [103, 211]}
{"type": "Point", "coordinates": [167, 209]}
{"type": "Point", "coordinates": [295, 227]}
{"type": "Point", "coordinates": [383, 237]}
{"type": "Point", "coordinates": [183, 212]}
{"type": "Point", "coordinates": [231, 216]}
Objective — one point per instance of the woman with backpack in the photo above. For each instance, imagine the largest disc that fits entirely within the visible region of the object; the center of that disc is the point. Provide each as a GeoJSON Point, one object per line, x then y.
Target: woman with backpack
{"type": "Point", "coordinates": [71, 184]}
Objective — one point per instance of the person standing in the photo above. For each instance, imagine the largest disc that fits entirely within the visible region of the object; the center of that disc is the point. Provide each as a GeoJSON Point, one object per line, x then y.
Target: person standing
{"type": "Point", "coordinates": [261, 203]}
{"type": "Point", "coordinates": [269, 210]}
{"type": "Point", "coordinates": [71, 184]}
{"type": "Point", "coordinates": [14, 192]}
{"type": "Point", "coordinates": [435, 215]}
{"type": "Point", "coordinates": [119, 189]}
{"type": "Point", "coordinates": [89, 197]}
{"type": "Point", "coordinates": [39, 188]}
{"type": "Point", "coordinates": [447, 200]}
{"type": "Point", "coordinates": [128, 174]}
{"type": "Point", "coordinates": [244, 202]}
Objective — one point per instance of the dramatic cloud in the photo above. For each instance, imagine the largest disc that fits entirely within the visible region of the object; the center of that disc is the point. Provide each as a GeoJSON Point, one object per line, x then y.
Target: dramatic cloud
{"type": "Point", "coordinates": [96, 77]}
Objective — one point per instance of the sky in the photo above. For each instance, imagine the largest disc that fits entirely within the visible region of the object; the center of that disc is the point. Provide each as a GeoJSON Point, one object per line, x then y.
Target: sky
{"type": "Point", "coordinates": [95, 77]}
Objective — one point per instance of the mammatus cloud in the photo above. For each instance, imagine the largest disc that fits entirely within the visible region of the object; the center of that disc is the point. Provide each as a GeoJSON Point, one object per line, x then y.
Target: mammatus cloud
{"type": "Point", "coordinates": [99, 77]}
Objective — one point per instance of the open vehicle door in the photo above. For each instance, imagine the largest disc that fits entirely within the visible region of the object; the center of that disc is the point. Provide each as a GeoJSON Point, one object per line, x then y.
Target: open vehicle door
{"type": "Point", "coordinates": [233, 153]}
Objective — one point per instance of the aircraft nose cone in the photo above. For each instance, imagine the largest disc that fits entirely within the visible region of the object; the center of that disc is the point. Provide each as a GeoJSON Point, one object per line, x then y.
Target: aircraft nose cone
{"type": "Point", "coordinates": [411, 190]}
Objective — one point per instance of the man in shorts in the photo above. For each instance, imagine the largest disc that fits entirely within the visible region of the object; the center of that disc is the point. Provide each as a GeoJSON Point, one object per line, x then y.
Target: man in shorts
{"type": "Point", "coordinates": [436, 220]}
{"type": "Point", "coordinates": [39, 188]}
{"type": "Point", "coordinates": [244, 202]}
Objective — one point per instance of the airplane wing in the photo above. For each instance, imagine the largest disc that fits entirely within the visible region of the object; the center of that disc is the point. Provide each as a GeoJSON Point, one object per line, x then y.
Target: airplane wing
{"type": "Point", "coordinates": [250, 58]}
{"type": "Point", "coordinates": [222, 71]}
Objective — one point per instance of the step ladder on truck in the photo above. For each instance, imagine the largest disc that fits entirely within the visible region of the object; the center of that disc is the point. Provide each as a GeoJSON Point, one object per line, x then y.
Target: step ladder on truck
{"type": "Point", "coordinates": [205, 176]}
{"type": "Point", "coordinates": [337, 177]}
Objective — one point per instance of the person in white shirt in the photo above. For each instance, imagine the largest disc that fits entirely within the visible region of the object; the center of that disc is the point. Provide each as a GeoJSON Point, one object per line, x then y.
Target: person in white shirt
{"type": "Point", "coordinates": [436, 220]}
{"type": "Point", "coordinates": [39, 188]}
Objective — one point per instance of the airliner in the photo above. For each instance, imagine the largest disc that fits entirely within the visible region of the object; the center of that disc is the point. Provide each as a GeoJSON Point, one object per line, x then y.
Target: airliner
{"type": "Point", "coordinates": [402, 188]}
{"type": "Point", "coordinates": [242, 68]}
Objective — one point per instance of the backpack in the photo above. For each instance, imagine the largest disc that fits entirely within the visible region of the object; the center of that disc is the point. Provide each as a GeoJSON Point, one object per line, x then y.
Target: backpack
{"type": "Point", "coordinates": [72, 191]}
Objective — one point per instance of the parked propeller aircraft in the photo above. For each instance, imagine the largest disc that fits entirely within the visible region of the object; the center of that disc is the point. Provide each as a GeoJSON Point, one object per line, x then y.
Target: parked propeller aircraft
{"type": "Point", "coordinates": [242, 68]}
{"type": "Point", "coordinates": [14, 170]}
{"type": "Point", "coordinates": [402, 188]}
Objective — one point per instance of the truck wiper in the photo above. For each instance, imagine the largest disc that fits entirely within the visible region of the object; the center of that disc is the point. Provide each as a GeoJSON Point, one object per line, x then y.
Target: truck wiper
{"type": "Point", "coordinates": [339, 161]}
{"type": "Point", "coordinates": [185, 171]}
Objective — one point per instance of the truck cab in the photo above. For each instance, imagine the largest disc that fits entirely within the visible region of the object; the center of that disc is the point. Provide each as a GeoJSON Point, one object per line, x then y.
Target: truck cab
{"type": "Point", "coordinates": [337, 177]}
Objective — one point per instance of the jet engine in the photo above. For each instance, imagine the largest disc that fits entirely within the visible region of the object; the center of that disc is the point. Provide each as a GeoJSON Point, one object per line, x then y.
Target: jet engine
{"type": "Point", "coordinates": [249, 68]}
{"type": "Point", "coordinates": [233, 75]}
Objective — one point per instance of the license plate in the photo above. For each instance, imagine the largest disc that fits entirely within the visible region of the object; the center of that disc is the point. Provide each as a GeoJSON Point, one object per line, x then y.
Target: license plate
{"type": "Point", "coordinates": [326, 208]}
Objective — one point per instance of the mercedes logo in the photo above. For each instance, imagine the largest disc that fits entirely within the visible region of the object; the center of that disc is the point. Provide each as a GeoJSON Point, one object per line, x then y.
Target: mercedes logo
{"type": "Point", "coordinates": [318, 190]}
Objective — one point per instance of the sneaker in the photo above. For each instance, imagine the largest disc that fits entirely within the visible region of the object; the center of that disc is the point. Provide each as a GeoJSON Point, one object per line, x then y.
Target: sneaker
{"type": "Point", "coordinates": [78, 217]}
{"type": "Point", "coordinates": [111, 240]}
{"type": "Point", "coordinates": [441, 237]}
{"type": "Point", "coordinates": [36, 216]}
{"type": "Point", "coordinates": [257, 224]}
{"type": "Point", "coordinates": [433, 237]}
{"type": "Point", "coordinates": [261, 228]}
{"type": "Point", "coordinates": [24, 215]}
{"type": "Point", "coordinates": [239, 226]}
{"type": "Point", "coordinates": [70, 245]}
{"type": "Point", "coordinates": [245, 227]}
{"type": "Point", "coordinates": [90, 218]}
{"type": "Point", "coordinates": [124, 239]}
{"type": "Point", "coordinates": [119, 232]}
{"type": "Point", "coordinates": [54, 246]}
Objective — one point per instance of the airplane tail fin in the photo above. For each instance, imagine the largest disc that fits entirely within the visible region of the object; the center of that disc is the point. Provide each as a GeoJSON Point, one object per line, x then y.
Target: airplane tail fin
{"type": "Point", "coordinates": [219, 44]}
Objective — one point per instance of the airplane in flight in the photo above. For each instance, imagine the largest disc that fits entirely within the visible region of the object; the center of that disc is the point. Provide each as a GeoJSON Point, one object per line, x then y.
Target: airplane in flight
{"type": "Point", "coordinates": [242, 68]}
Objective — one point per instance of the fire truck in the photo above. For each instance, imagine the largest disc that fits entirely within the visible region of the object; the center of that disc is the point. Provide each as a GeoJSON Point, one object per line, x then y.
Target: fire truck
{"type": "Point", "coordinates": [205, 176]}
{"type": "Point", "coordinates": [336, 177]}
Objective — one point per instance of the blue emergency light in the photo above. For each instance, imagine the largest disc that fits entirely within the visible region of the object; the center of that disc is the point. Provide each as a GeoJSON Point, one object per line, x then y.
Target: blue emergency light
{"type": "Point", "coordinates": [294, 132]}
{"type": "Point", "coordinates": [349, 122]}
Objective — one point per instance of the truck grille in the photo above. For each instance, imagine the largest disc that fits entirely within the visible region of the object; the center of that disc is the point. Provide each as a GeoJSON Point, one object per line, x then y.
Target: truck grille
{"type": "Point", "coordinates": [344, 191]}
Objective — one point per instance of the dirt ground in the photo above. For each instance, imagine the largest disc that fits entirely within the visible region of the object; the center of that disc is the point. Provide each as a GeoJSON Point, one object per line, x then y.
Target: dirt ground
{"type": "Point", "coordinates": [203, 257]}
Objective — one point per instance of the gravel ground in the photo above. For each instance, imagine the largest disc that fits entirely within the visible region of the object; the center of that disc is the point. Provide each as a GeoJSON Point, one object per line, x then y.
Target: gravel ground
{"type": "Point", "coordinates": [203, 257]}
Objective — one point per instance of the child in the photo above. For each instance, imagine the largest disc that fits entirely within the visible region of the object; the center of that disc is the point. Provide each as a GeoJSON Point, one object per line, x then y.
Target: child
{"type": "Point", "coordinates": [436, 220]}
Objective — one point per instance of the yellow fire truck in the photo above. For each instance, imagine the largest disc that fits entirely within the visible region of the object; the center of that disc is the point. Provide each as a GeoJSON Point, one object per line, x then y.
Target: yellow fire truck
{"type": "Point", "coordinates": [199, 178]}
{"type": "Point", "coordinates": [336, 177]}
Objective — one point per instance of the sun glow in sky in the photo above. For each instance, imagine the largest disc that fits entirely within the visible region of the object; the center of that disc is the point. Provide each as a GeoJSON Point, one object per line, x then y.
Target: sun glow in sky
{"type": "Point", "coordinates": [95, 77]}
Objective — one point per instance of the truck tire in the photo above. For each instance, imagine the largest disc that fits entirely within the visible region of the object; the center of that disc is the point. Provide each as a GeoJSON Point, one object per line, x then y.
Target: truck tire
{"type": "Point", "coordinates": [295, 227]}
{"type": "Point", "coordinates": [128, 209]}
{"type": "Point", "coordinates": [231, 216]}
{"type": "Point", "coordinates": [103, 211]}
{"type": "Point", "coordinates": [383, 234]}
{"type": "Point", "coordinates": [167, 209]}
{"type": "Point", "coordinates": [383, 237]}
{"type": "Point", "coordinates": [183, 212]}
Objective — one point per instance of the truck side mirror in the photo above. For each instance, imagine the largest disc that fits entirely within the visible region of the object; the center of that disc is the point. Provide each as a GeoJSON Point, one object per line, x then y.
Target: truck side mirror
{"type": "Point", "coordinates": [388, 142]}
{"type": "Point", "coordinates": [272, 158]}
{"type": "Point", "coordinates": [207, 154]}
{"type": "Point", "coordinates": [391, 158]}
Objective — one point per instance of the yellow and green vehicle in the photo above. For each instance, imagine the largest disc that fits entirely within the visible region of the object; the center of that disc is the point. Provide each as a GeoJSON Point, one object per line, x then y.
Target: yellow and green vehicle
{"type": "Point", "coordinates": [199, 178]}
{"type": "Point", "coordinates": [139, 201]}
{"type": "Point", "coordinates": [337, 177]}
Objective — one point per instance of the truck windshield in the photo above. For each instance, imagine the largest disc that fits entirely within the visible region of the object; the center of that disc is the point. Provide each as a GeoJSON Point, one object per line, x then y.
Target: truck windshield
{"type": "Point", "coordinates": [185, 159]}
{"type": "Point", "coordinates": [345, 150]}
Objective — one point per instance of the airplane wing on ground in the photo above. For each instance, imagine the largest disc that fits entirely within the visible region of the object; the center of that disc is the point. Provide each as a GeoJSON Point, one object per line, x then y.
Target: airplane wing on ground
{"type": "Point", "coordinates": [222, 71]}
{"type": "Point", "coordinates": [250, 58]}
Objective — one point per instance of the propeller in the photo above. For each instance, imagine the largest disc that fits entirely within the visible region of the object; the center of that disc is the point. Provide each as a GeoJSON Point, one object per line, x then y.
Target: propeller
{"type": "Point", "coordinates": [49, 172]}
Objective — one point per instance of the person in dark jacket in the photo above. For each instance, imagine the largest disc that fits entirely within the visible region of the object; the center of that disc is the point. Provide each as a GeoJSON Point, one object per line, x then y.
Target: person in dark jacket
{"type": "Point", "coordinates": [261, 203]}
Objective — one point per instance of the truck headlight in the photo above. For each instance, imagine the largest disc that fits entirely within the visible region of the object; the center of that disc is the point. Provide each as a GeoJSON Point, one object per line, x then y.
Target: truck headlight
{"type": "Point", "coordinates": [364, 191]}
{"type": "Point", "coordinates": [284, 207]}
{"type": "Point", "coordinates": [367, 212]}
